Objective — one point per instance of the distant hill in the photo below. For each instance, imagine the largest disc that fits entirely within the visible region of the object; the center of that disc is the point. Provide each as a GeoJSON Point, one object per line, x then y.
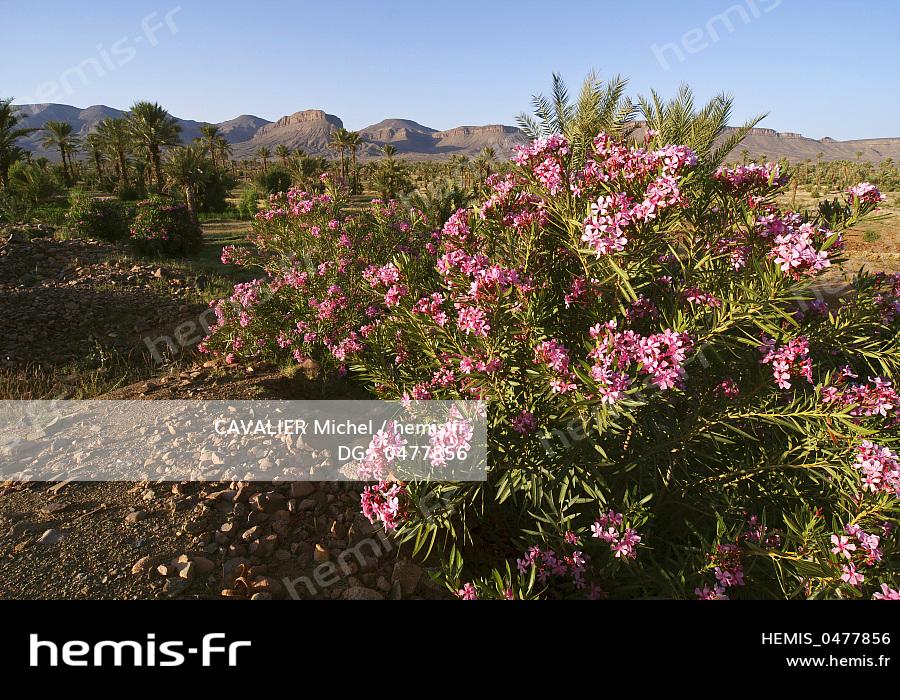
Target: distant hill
{"type": "Point", "coordinates": [311, 129]}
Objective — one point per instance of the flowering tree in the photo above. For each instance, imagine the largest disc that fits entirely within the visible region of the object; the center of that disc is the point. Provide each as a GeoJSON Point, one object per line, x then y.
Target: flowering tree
{"type": "Point", "coordinates": [674, 409]}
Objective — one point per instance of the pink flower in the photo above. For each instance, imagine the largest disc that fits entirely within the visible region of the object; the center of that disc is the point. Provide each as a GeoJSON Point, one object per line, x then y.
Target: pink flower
{"type": "Point", "coordinates": [787, 360]}
{"type": "Point", "coordinates": [851, 575]}
{"type": "Point", "coordinates": [842, 546]}
{"type": "Point", "coordinates": [468, 592]}
{"type": "Point", "coordinates": [865, 192]}
{"type": "Point", "coordinates": [880, 468]}
{"type": "Point", "coordinates": [524, 422]}
{"type": "Point", "coordinates": [382, 503]}
{"type": "Point", "coordinates": [887, 593]}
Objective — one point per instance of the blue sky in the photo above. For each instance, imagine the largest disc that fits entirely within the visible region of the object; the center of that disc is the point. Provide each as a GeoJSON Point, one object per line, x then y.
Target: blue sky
{"type": "Point", "coordinates": [821, 67]}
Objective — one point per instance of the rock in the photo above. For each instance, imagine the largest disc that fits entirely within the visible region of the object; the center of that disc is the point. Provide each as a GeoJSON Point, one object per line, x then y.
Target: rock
{"type": "Point", "coordinates": [203, 565]}
{"type": "Point", "coordinates": [407, 575]}
{"type": "Point", "coordinates": [187, 570]}
{"type": "Point", "coordinates": [269, 502]}
{"type": "Point", "coordinates": [135, 516]}
{"type": "Point", "coordinates": [144, 565]}
{"type": "Point", "coordinates": [232, 569]}
{"type": "Point", "coordinates": [396, 592]}
{"type": "Point", "coordinates": [175, 587]}
{"type": "Point", "coordinates": [361, 593]}
{"type": "Point", "coordinates": [52, 537]}
{"type": "Point", "coordinates": [252, 534]}
{"type": "Point", "coordinates": [302, 489]}
{"type": "Point", "coordinates": [321, 554]}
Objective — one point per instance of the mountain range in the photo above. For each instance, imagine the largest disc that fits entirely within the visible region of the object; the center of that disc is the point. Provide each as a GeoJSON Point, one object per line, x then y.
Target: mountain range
{"type": "Point", "coordinates": [311, 129]}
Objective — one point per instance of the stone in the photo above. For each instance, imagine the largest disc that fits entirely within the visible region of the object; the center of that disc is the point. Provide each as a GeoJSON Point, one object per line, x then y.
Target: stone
{"type": "Point", "coordinates": [407, 575]}
{"type": "Point", "coordinates": [144, 565]}
{"type": "Point", "coordinates": [321, 554]}
{"type": "Point", "coordinates": [252, 533]}
{"type": "Point", "coordinates": [302, 489]}
{"type": "Point", "coordinates": [135, 516]}
{"type": "Point", "coordinates": [204, 565]}
{"type": "Point", "coordinates": [269, 502]}
{"type": "Point", "coordinates": [175, 586]}
{"type": "Point", "coordinates": [361, 593]}
{"type": "Point", "coordinates": [52, 537]}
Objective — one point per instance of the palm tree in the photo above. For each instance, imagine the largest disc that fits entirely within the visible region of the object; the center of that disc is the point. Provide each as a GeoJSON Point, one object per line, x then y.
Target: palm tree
{"type": "Point", "coordinates": [114, 135]}
{"type": "Point", "coordinates": [354, 141]}
{"type": "Point", "coordinates": [209, 135]}
{"type": "Point", "coordinates": [339, 142]}
{"type": "Point", "coordinates": [284, 153]}
{"type": "Point", "coordinates": [600, 107]}
{"type": "Point", "coordinates": [705, 130]}
{"type": "Point", "coordinates": [152, 128]}
{"type": "Point", "coordinates": [185, 167]}
{"type": "Point", "coordinates": [9, 132]}
{"type": "Point", "coordinates": [305, 170]}
{"type": "Point", "coordinates": [390, 151]}
{"type": "Point", "coordinates": [94, 144]}
{"type": "Point", "coordinates": [486, 158]}
{"type": "Point", "coordinates": [264, 154]}
{"type": "Point", "coordinates": [59, 135]}
{"type": "Point", "coordinates": [223, 148]}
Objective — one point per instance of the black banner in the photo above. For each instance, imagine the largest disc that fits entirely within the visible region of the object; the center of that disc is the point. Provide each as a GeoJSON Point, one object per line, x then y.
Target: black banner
{"type": "Point", "coordinates": [219, 641]}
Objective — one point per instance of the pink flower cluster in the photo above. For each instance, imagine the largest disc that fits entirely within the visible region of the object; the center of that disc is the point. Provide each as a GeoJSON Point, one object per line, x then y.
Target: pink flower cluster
{"type": "Point", "coordinates": [555, 355]}
{"type": "Point", "coordinates": [524, 423]}
{"type": "Point", "coordinates": [450, 440]}
{"type": "Point", "coordinates": [877, 397]}
{"type": "Point", "coordinates": [880, 468]}
{"type": "Point", "coordinates": [612, 214]}
{"type": "Point", "coordinates": [382, 451]}
{"type": "Point", "coordinates": [859, 548]}
{"type": "Point", "coordinates": [381, 503]}
{"type": "Point", "coordinates": [866, 193]}
{"type": "Point", "coordinates": [751, 176]}
{"type": "Point", "coordinates": [548, 563]}
{"type": "Point", "coordinates": [661, 357]}
{"type": "Point", "coordinates": [756, 533]}
{"type": "Point", "coordinates": [511, 203]}
{"type": "Point", "coordinates": [695, 295]}
{"type": "Point", "coordinates": [790, 360]}
{"type": "Point", "coordinates": [728, 388]}
{"type": "Point", "coordinates": [729, 572]}
{"type": "Point", "coordinates": [795, 252]}
{"type": "Point", "coordinates": [433, 307]}
{"type": "Point", "coordinates": [622, 544]}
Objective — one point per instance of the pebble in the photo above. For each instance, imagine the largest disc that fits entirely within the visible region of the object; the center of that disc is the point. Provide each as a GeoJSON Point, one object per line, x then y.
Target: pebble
{"type": "Point", "coordinates": [52, 537]}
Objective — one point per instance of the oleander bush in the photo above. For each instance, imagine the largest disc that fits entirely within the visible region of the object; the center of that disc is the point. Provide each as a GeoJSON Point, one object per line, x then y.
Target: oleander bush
{"type": "Point", "coordinates": [164, 227]}
{"type": "Point", "coordinates": [97, 217]}
{"type": "Point", "coordinates": [676, 408]}
{"type": "Point", "coordinates": [314, 257]}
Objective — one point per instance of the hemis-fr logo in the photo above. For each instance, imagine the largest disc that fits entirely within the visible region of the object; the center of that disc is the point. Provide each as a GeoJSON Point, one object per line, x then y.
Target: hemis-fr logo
{"type": "Point", "coordinates": [213, 650]}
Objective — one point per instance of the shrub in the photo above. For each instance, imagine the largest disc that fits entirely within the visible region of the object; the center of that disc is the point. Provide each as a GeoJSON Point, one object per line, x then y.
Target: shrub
{"type": "Point", "coordinates": [93, 217]}
{"type": "Point", "coordinates": [273, 180]}
{"type": "Point", "coordinates": [248, 203]}
{"type": "Point", "coordinates": [163, 227]}
{"type": "Point", "coordinates": [315, 258]}
{"type": "Point", "coordinates": [213, 191]}
{"type": "Point", "coordinates": [673, 410]}
{"type": "Point", "coordinates": [30, 186]}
